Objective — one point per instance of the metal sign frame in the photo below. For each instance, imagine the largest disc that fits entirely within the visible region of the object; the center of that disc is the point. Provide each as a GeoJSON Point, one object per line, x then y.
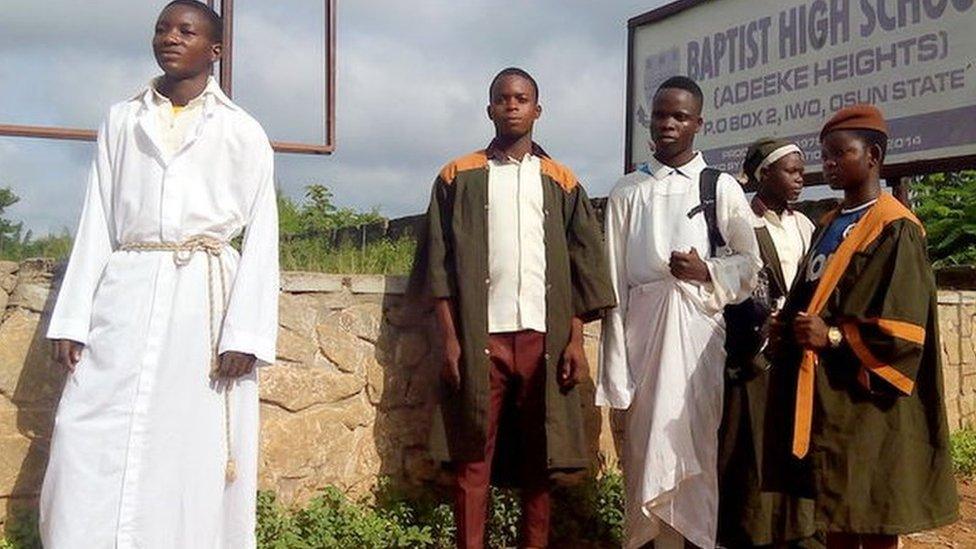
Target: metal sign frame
{"type": "Point", "coordinates": [226, 83]}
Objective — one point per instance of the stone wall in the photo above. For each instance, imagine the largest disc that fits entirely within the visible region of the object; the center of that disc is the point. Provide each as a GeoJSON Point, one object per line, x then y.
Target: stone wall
{"type": "Point", "coordinates": [957, 318]}
{"type": "Point", "coordinates": [348, 400]}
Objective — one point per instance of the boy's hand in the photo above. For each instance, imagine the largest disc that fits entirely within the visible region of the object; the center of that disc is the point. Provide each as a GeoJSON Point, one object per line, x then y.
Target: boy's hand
{"type": "Point", "coordinates": [234, 364]}
{"type": "Point", "coordinates": [451, 367]}
{"type": "Point", "coordinates": [67, 353]}
{"type": "Point", "coordinates": [573, 362]}
{"type": "Point", "coordinates": [810, 332]}
{"type": "Point", "coordinates": [689, 266]}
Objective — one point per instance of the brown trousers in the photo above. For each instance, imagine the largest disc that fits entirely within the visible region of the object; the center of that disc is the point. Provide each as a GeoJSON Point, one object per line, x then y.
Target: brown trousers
{"type": "Point", "coordinates": [518, 375]}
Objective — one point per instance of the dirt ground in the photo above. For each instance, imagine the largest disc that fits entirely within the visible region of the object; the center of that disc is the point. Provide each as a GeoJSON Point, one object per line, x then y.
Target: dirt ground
{"type": "Point", "coordinates": [961, 535]}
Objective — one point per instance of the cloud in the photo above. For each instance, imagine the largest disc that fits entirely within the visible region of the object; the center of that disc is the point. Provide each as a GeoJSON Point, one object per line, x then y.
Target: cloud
{"type": "Point", "coordinates": [49, 177]}
{"type": "Point", "coordinates": [412, 79]}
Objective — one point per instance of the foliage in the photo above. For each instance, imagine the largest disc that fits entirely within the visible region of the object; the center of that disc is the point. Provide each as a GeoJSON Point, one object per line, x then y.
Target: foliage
{"type": "Point", "coordinates": [21, 531]}
{"type": "Point", "coordinates": [504, 517]}
{"type": "Point", "coordinates": [307, 230]}
{"type": "Point", "coordinates": [318, 215]}
{"type": "Point", "coordinates": [308, 238]}
{"type": "Point", "coordinates": [330, 520]}
{"type": "Point", "coordinates": [591, 511]}
{"type": "Point", "coordinates": [317, 254]}
{"type": "Point", "coordinates": [946, 204]}
{"type": "Point", "coordinates": [55, 246]}
{"type": "Point", "coordinates": [9, 231]}
{"type": "Point", "coordinates": [590, 515]}
{"type": "Point", "coordinates": [963, 444]}
{"type": "Point", "coordinates": [17, 244]}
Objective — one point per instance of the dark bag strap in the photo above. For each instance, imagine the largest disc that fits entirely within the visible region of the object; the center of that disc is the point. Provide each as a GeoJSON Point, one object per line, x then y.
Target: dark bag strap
{"type": "Point", "coordinates": [707, 189]}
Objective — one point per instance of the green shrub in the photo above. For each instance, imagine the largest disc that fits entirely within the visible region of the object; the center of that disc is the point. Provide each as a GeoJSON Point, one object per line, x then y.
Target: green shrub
{"type": "Point", "coordinates": [20, 531]}
{"type": "Point", "coordinates": [590, 515]}
{"type": "Point", "coordinates": [592, 511]}
{"type": "Point", "coordinates": [504, 517]}
{"type": "Point", "coordinates": [946, 204]}
{"type": "Point", "coordinates": [318, 254]}
{"type": "Point", "coordinates": [330, 520]}
{"type": "Point", "coordinates": [306, 230]}
{"type": "Point", "coordinates": [963, 445]}
{"type": "Point", "coordinates": [609, 512]}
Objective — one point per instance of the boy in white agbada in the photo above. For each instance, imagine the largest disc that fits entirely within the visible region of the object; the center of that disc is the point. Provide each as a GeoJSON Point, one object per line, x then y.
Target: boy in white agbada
{"type": "Point", "coordinates": [160, 321]}
{"type": "Point", "coordinates": [662, 355]}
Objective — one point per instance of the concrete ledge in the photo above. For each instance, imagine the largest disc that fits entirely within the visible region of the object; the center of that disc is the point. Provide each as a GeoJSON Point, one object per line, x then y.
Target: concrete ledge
{"type": "Point", "coordinates": [377, 284]}
{"type": "Point", "coordinates": [957, 297]}
{"type": "Point", "coordinates": [298, 282]}
{"type": "Point", "coordinates": [309, 282]}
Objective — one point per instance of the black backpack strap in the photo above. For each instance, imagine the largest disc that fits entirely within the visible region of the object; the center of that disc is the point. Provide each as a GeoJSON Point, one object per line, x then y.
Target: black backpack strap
{"type": "Point", "coordinates": [707, 189]}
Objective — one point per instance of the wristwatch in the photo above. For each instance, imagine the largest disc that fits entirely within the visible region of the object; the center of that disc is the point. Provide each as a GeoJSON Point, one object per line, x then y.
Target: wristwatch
{"type": "Point", "coordinates": [835, 336]}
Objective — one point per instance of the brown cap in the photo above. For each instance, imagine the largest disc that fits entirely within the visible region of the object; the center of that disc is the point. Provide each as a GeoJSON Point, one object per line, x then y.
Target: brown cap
{"type": "Point", "coordinates": [856, 117]}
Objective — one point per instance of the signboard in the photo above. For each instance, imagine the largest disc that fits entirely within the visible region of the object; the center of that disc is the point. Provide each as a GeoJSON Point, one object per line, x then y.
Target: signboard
{"type": "Point", "coordinates": [782, 67]}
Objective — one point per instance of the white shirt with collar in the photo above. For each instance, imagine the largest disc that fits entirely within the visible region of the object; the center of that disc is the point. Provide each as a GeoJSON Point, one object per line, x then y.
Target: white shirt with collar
{"type": "Point", "coordinates": [791, 233]}
{"type": "Point", "coordinates": [516, 246]}
{"type": "Point", "coordinates": [175, 123]}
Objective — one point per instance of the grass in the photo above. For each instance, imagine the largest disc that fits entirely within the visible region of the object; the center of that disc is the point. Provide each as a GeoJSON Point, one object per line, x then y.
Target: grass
{"type": "Point", "coordinates": [390, 257]}
{"type": "Point", "coordinates": [380, 257]}
{"type": "Point", "coordinates": [963, 444]}
{"type": "Point", "coordinates": [54, 246]}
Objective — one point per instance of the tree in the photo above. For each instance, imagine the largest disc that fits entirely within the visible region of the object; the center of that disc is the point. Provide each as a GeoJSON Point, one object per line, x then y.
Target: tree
{"type": "Point", "coordinates": [320, 214]}
{"type": "Point", "coordinates": [317, 215]}
{"type": "Point", "coordinates": [9, 231]}
{"type": "Point", "coordinates": [946, 204]}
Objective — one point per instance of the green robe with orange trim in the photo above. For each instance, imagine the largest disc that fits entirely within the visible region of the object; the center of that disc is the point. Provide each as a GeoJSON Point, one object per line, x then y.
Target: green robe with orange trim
{"type": "Point", "coordinates": [452, 262]}
{"type": "Point", "coordinates": [748, 516]}
{"type": "Point", "coordinates": [867, 419]}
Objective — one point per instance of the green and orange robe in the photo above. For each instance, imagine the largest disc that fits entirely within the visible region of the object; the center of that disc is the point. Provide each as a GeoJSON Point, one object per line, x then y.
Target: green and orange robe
{"type": "Point", "coordinates": [452, 262]}
{"type": "Point", "coordinates": [862, 428]}
{"type": "Point", "coordinates": [748, 516]}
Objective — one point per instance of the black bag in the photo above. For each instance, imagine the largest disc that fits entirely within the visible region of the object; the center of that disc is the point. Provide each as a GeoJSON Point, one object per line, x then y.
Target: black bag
{"type": "Point", "coordinates": [745, 335]}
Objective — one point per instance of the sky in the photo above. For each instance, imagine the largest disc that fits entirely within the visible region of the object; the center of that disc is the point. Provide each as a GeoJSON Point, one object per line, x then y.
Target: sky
{"type": "Point", "coordinates": [412, 83]}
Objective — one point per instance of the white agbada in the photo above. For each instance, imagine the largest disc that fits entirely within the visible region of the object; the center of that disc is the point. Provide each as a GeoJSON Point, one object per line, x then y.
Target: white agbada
{"type": "Point", "coordinates": [138, 451]}
{"type": "Point", "coordinates": [662, 352]}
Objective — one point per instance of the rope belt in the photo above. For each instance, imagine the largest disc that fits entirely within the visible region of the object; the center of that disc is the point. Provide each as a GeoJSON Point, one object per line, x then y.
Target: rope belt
{"type": "Point", "coordinates": [182, 254]}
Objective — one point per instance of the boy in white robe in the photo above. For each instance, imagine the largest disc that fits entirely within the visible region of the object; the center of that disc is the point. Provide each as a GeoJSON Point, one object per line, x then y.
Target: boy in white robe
{"type": "Point", "coordinates": [662, 356]}
{"type": "Point", "coordinates": [160, 321]}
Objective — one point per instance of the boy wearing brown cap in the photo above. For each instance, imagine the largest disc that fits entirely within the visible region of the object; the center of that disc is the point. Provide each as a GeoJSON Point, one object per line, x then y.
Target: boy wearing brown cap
{"type": "Point", "coordinates": [859, 361]}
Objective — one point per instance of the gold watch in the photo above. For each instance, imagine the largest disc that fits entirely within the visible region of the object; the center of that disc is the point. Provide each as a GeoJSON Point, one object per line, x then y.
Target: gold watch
{"type": "Point", "coordinates": [834, 336]}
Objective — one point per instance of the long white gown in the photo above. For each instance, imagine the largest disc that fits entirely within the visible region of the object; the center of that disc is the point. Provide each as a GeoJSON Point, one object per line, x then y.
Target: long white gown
{"type": "Point", "coordinates": [139, 449]}
{"type": "Point", "coordinates": [662, 354]}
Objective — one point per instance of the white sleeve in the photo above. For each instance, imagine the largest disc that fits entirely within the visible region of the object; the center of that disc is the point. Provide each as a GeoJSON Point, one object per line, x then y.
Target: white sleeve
{"type": "Point", "coordinates": [251, 322]}
{"type": "Point", "coordinates": [93, 244]}
{"type": "Point", "coordinates": [733, 271]}
{"type": "Point", "coordinates": [614, 384]}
